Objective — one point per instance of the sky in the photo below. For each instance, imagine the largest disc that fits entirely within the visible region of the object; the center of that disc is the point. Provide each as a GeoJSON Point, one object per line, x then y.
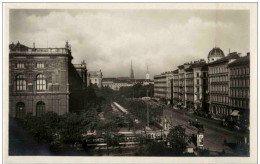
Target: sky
{"type": "Point", "coordinates": [110, 39]}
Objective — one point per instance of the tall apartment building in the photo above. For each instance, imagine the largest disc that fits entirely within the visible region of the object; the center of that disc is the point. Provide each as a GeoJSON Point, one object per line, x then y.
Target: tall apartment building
{"type": "Point", "coordinates": [219, 83]}
{"type": "Point", "coordinates": [189, 84]}
{"type": "Point", "coordinates": [181, 74]}
{"type": "Point", "coordinates": [200, 79]}
{"type": "Point", "coordinates": [163, 85]}
{"type": "Point", "coordinates": [176, 86]}
{"type": "Point", "coordinates": [189, 94]}
{"type": "Point", "coordinates": [41, 80]}
{"type": "Point", "coordinates": [239, 93]}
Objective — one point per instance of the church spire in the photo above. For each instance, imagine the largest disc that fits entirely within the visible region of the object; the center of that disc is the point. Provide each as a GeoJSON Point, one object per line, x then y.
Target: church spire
{"type": "Point", "coordinates": [132, 71]}
{"type": "Point", "coordinates": [147, 76]}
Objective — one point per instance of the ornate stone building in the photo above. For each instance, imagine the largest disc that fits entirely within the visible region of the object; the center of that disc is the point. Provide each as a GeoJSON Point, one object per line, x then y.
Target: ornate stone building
{"type": "Point", "coordinates": [41, 80]}
{"type": "Point", "coordinates": [95, 78]}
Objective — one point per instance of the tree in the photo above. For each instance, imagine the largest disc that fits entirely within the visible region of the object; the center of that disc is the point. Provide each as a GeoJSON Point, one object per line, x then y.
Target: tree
{"type": "Point", "coordinates": [177, 139]}
{"type": "Point", "coordinates": [43, 128]}
{"type": "Point", "coordinates": [72, 129]}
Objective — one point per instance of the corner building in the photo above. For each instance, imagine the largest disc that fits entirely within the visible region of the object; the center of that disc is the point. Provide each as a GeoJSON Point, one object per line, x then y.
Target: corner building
{"type": "Point", "coordinates": [42, 80]}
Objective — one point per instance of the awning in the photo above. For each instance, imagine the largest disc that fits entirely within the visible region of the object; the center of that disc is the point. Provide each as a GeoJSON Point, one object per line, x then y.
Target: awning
{"type": "Point", "coordinates": [235, 113]}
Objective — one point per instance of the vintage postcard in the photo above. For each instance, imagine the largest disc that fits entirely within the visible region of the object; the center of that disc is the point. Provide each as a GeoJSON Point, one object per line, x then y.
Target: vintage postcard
{"type": "Point", "coordinates": [130, 82]}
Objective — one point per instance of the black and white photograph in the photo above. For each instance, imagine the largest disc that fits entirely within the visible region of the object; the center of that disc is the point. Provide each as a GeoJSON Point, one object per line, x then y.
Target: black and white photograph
{"type": "Point", "coordinates": [112, 81]}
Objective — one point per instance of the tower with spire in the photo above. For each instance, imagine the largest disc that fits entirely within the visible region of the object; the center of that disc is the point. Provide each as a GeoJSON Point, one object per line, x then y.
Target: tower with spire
{"type": "Point", "coordinates": [132, 71]}
{"type": "Point", "coordinates": [147, 76]}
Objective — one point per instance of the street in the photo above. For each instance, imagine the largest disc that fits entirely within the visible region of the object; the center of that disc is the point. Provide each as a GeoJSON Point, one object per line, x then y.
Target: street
{"type": "Point", "coordinates": [214, 134]}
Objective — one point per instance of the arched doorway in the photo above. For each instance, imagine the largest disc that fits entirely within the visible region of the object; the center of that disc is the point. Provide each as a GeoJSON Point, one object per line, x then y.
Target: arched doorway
{"type": "Point", "coordinates": [20, 110]}
{"type": "Point", "coordinates": [40, 108]}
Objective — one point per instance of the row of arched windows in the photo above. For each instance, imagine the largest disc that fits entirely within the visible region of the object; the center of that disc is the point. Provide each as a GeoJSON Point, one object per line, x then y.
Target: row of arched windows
{"type": "Point", "coordinates": [20, 109]}
{"type": "Point", "coordinates": [21, 83]}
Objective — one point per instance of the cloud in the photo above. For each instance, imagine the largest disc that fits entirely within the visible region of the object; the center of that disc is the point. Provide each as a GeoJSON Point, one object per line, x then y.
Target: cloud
{"type": "Point", "coordinates": [108, 40]}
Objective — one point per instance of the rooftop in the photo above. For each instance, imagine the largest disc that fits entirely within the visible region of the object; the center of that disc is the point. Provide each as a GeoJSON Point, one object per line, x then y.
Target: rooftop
{"type": "Point", "coordinates": [226, 59]}
{"type": "Point", "coordinates": [216, 52]}
{"type": "Point", "coordinates": [240, 61]}
{"type": "Point", "coordinates": [22, 49]}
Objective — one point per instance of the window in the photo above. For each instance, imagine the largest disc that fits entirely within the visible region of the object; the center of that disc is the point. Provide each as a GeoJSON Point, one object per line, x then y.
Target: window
{"type": "Point", "coordinates": [247, 70]}
{"type": "Point", "coordinates": [20, 83]}
{"type": "Point", "coordinates": [198, 81]}
{"type": "Point", "coordinates": [40, 65]}
{"type": "Point", "coordinates": [197, 97]}
{"type": "Point", "coordinates": [204, 74]}
{"type": "Point", "coordinates": [198, 89]}
{"type": "Point", "coordinates": [40, 83]}
{"type": "Point", "coordinates": [20, 110]}
{"type": "Point", "coordinates": [40, 108]}
{"type": "Point", "coordinates": [198, 74]}
{"type": "Point", "coordinates": [20, 65]}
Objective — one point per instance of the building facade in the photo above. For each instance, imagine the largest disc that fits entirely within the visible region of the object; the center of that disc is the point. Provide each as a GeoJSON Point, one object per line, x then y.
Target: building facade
{"type": "Point", "coordinates": [188, 84]}
{"type": "Point", "coordinates": [163, 86]}
{"type": "Point", "coordinates": [200, 79]}
{"type": "Point", "coordinates": [189, 87]}
{"type": "Point", "coordinates": [239, 93]}
{"type": "Point", "coordinates": [176, 86]}
{"type": "Point", "coordinates": [41, 80]}
{"type": "Point", "coordinates": [95, 78]}
{"type": "Point", "coordinates": [219, 85]}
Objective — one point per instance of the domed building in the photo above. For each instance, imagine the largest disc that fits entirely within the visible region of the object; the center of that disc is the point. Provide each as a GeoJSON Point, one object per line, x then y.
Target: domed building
{"type": "Point", "coordinates": [215, 54]}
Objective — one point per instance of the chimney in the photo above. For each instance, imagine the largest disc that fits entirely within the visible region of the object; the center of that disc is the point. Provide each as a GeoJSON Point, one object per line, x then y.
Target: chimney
{"type": "Point", "coordinates": [33, 45]}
